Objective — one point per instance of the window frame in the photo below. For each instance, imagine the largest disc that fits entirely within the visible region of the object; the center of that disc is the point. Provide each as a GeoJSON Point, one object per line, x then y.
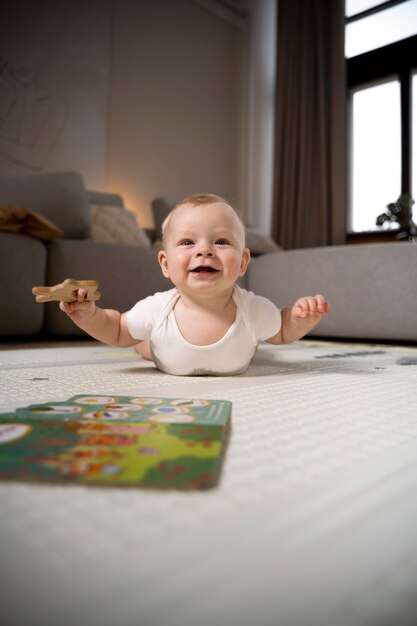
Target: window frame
{"type": "Point", "coordinates": [397, 59]}
{"type": "Point", "coordinates": [377, 8]}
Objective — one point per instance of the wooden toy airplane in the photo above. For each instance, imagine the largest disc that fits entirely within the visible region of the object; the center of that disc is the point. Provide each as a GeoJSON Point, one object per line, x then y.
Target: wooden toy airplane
{"type": "Point", "coordinates": [66, 291]}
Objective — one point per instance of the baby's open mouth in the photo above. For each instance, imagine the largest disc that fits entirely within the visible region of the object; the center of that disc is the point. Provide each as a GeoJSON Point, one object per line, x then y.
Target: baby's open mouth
{"type": "Point", "coordinates": [204, 269]}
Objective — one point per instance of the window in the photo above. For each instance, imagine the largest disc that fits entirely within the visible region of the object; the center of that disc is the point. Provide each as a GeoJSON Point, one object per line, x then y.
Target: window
{"type": "Point", "coordinates": [371, 25]}
{"type": "Point", "coordinates": [376, 155]}
{"type": "Point", "coordinates": [382, 102]}
{"type": "Point", "coordinates": [414, 139]}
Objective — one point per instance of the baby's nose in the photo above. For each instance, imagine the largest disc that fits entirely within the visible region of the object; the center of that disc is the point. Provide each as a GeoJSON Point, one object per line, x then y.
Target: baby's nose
{"type": "Point", "coordinates": [204, 249]}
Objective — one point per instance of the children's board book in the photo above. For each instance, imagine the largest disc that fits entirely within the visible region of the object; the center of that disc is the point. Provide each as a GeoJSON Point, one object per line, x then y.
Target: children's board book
{"type": "Point", "coordinates": [174, 443]}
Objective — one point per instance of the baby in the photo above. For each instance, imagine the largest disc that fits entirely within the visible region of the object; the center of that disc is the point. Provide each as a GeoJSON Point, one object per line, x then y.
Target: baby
{"type": "Point", "coordinates": [206, 324]}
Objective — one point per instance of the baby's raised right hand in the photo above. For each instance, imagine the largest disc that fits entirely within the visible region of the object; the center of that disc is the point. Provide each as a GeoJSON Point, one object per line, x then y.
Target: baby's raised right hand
{"type": "Point", "coordinates": [81, 309]}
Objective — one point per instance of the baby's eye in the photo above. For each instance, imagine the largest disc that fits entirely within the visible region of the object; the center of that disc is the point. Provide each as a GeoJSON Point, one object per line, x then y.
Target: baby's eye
{"type": "Point", "coordinates": [221, 242]}
{"type": "Point", "coordinates": [186, 242]}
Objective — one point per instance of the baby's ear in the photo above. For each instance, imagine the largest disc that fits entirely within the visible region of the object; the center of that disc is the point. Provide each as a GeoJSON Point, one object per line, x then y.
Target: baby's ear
{"type": "Point", "coordinates": [162, 259]}
{"type": "Point", "coordinates": [244, 262]}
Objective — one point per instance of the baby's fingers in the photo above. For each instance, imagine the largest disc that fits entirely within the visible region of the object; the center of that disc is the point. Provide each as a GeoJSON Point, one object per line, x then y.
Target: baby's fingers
{"type": "Point", "coordinates": [81, 294]}
{"type": "Point", "coordinates": [311, 306]}
{"type": "Point", "coordinates": [321, 305]}
{"type": "Point", "coordinates": [78, 295]}
{"type": "Point", "coordinates": [69, 307]}
{"type": "Point", "coordinates": [75, 304]}
{"type": "Point", "coordinates": [305, 306]}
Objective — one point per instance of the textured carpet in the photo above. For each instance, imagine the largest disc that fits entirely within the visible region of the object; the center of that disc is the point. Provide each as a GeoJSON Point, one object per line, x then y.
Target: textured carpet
{"type": "Point", "coordinates": [313, 520]}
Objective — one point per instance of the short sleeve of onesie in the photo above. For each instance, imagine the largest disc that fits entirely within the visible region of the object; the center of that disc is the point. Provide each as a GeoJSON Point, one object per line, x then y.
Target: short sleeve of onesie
{"type": "Point", "coordinates": [264, 315]}
{"type": "Point", "coordinates": [144, 315]}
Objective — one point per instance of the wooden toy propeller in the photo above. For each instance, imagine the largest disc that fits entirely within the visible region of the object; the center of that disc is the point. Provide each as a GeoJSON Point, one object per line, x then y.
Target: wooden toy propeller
{"type": "Point", "coordinates": [66, 291]}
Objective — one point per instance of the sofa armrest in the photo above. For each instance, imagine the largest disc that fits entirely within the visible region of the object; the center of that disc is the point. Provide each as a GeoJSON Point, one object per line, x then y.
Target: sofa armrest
{"type": "Point", "coordinates": [372, 288]}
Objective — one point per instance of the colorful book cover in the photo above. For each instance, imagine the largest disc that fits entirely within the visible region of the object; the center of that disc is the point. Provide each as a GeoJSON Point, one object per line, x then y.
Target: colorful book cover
{"type": "Point", "coordinates": [117, 440]}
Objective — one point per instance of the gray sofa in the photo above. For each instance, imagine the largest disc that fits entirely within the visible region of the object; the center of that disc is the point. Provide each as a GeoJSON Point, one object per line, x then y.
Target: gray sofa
{"type": "Point", "coordinates": [372, 288]}
{"type": "Point", "coordinates": [125, 273]}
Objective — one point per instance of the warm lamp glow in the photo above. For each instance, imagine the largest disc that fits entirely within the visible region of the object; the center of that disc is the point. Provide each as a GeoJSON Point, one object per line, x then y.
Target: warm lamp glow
{"type": "Point", "coordinates": [139, 206]}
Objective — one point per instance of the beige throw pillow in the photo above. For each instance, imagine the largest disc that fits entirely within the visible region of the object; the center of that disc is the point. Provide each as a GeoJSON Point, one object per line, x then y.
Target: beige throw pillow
{"type": "Point", "coordinates": [116, 225]}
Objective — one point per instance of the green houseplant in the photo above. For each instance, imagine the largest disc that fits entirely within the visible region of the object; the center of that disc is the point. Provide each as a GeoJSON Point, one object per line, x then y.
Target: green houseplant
{"type": "Point", "coordinates": [401, 212]}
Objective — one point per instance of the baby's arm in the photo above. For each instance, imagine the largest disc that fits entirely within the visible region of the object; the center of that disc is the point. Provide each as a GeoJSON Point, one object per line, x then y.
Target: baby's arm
{"type": "Point", "coordinates": [106, 325]}
{"type": "Point", "coordinates": [301, 319]}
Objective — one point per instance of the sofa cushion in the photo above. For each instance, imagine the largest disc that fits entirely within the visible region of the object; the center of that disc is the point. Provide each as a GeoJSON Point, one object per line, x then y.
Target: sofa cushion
{"type": "Point", "coordinates": [22, 266]}
{"type": "Point", "coordinates": [115, 225]}
{"type": "Point", "coordinates": [124, 274]}
{"type": "Point", "coordinates": [105, 197]}
{"type": "Point", "coordinates": [59, 196]}
{"type": "Point", "coordinates": [160, 208]}
{"type": "Point", "coordinates": [371, 287]}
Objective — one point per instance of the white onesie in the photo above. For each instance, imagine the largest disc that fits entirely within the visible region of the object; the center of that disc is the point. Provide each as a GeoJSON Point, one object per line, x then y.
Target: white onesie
{"type": "Point", "coordinates": [153, 319]}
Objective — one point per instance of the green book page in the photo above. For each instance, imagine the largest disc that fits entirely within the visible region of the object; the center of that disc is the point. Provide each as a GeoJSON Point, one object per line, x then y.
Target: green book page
{"type": "Point", "coordinates": [106, 441]}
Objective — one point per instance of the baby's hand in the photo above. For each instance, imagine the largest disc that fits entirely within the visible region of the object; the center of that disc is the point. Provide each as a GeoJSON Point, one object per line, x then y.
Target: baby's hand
{"type": "Point", "coordinates": [310, 309]}
{"type": "Point", "coordinates": [80, 309]}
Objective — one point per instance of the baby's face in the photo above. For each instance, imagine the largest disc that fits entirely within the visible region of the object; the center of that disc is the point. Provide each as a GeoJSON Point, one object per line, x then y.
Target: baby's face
{"type": "Point", "coordinates": [204, 248]}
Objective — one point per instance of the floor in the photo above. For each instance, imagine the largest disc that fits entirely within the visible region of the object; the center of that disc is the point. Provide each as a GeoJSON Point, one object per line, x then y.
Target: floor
{"type": "Point", "coordinates": [313, 521]}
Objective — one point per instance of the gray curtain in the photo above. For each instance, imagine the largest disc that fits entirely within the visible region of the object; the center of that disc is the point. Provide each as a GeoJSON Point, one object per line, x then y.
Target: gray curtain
{"type": "Point", "coordinates": [310, 138]}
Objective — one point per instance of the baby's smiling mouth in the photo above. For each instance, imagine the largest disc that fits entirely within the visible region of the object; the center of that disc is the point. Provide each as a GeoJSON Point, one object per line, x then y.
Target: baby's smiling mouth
{"type": "Point", "coordinates": [204, 269]}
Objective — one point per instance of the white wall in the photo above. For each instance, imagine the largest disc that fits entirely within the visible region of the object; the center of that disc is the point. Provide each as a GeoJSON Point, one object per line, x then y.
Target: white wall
{"type": "Point", "coordinates": [54, 73]}
{"type": "Point", "coordinates": [142, 97]}
{"type": "Point", "coordinates": [175, 103]}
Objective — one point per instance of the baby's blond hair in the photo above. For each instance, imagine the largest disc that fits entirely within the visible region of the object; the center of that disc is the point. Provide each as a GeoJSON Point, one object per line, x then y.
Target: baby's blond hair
{"type": "Point", "coordinates": [197, 199]}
